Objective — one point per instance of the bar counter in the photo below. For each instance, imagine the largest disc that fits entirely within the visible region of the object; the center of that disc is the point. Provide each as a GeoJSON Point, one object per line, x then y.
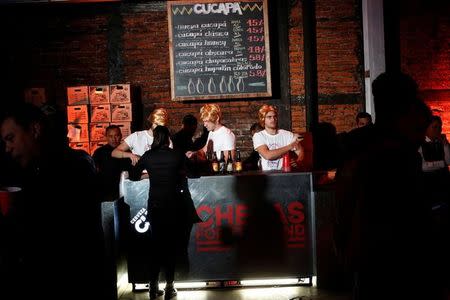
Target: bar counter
{"type": "Point", "coordinates": [255, 225]}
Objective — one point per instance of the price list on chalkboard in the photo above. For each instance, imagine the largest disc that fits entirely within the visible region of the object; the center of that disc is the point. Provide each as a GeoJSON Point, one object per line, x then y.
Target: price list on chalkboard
{"type": "Point", "coordinates": [219, 50]}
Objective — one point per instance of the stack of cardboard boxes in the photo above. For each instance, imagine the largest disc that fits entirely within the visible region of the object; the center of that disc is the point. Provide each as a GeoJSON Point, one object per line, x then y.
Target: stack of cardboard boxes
{"type": "Point", "coordinates": [90, 109]}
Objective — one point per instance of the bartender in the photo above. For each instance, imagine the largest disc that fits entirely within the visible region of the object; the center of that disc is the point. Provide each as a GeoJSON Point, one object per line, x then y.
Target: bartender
{"type": "Point", "coordinates": [272, 143]}
{"type": "Point", "coordinates": [220, 138]}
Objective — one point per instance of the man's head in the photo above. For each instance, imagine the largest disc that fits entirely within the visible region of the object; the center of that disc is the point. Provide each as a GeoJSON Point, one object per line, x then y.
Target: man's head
{"type": "Point", "coordinates": [113, 135]}
{"type": "Point", "coordinates": [268, 116]}
{"type": "Point", "coordinates": [190, 124]}
{"type": "Point", "coordinates": [363, 119]}
{"type": "Point", "coordinates": [392, 93]}
{"type": "Point", "coordinates": [399, 110]}
{"type": "Point", "coordinates": [21, 129]}
{"type": "Point", "coordinates": [159, 116]}
{"type": "Point", "coordinates": [434, 130]}
{"type": "Point", "coordinates": [211, 116]}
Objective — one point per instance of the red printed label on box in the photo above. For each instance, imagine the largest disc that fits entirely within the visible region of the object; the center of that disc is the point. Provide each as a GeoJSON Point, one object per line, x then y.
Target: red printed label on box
{"type": "Point", "coordinates": [121, 112]}
{"type": "Point", "coordinates": [120, 93]}
{"type": "Point", "coordinates": [100, 113]}
{"type": "Point", "coordinates": [99, 94]}
{"type": "Point", "coordinates": [77, 95]}
{"type": "Point", "coordinates": [77, 114]}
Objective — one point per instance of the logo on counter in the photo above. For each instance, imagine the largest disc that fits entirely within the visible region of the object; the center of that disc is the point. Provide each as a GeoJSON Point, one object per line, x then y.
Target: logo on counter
{"type": "Point", "coordinates": [208, 234]}
{"type": "Point", "coordinates": [140, 221]}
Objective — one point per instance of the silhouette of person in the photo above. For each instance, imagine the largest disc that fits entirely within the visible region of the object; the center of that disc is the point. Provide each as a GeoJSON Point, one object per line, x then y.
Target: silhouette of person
{"type": "Point", "coordinates": [183, 139]}
{"type": "Point", "coordinates": [325, 146]}
{"type": "Point", "coordinates": [261, 244]}
{"type": "Point", "coordinates": [435, 154]}
{"type": "Point", "coordinates": [383, 222]}
{"type": "Point", "coordinates": [171, 209]}
{"type": "Point", "coordinates": [58, 226]}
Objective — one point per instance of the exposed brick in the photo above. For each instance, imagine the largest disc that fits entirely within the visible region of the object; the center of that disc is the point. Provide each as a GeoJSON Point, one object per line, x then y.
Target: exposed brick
{"type": "Point", "coordinates": [55, 48]}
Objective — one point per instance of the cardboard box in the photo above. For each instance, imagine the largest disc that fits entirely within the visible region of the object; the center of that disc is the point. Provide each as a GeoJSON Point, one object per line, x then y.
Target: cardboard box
{"type": "Point", "coordinates": [77, 114]}
{"type": "Point", "coordinates": [35, 96]}
{"type": "Point", "coordinates": [99, 94]}
{"type": "Point", "coordinates": [121, 112]}
{"type": "Point", "coordinates": [95, 145]}
{"type": "Point", "coordinates": [80, 146]}
{"type": "Point", "coordinates": [78, 133]}
{"type": "Point", "coordinates": [120, 93]}
{"type": "Point", "coordinates": [125, 128]}
{"type": "Point", "coordinates": [100, 113]}
{"type": "Point", "coordinates": [97, 131]}
{"type": "Point", "coordinates": [77, 95]}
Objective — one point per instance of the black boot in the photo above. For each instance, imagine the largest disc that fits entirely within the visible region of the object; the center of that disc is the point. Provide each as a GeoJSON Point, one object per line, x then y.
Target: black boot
{"type": "Point", "coordinates": [153, 290]}
{"type": "Point", "coordinates": [170, 291]}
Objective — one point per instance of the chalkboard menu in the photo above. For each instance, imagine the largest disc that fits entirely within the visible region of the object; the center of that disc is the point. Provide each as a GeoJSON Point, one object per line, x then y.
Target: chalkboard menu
{"type": "Point", "coordinates": [219, 50]}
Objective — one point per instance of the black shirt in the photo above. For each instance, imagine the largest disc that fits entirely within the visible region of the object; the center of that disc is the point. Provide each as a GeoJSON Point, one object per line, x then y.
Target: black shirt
{"type": "Point", "coordinates": [109, 169]}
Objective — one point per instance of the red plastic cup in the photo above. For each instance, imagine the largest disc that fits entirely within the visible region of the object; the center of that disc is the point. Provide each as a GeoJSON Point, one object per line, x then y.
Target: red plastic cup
{"type": "Point", "coordinates": [6, 198]}
{"type": "Point", "coordinates": [286, 163]}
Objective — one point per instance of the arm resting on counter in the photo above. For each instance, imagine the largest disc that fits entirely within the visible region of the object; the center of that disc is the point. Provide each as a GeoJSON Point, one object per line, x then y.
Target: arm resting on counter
{"type": "Point", "coordinates": [122, 151]}
{"type": "Point", "coordinates": [264, 151]}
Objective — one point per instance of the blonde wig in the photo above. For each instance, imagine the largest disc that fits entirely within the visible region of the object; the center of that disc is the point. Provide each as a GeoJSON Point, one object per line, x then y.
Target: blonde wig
{"type": "Point", "coordinates": [159, 117]}
{"type": "Point", "coordinates": [263, 112]}
{"type": "Point", "coordinates": [210, 112]}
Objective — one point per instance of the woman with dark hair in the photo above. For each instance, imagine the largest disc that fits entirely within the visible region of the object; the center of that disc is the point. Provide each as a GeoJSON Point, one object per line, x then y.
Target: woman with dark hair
{"type": "Point", "coordinates": [171, 210]}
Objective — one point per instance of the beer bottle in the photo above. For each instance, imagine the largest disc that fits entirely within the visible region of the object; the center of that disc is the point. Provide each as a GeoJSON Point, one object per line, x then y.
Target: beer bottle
{"type": "Point", "coordinates": [238, 163]}
{"type": "Point", "coordinates": [222, 166]}
{"type": "Point", "coordinates": [214, 163]}
{"type": "Point", "coordinates": [229, 163]}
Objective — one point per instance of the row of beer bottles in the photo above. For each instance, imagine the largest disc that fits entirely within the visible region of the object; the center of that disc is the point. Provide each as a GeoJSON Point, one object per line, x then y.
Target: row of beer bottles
{"type": "Point", "coordinates": [228, 166]}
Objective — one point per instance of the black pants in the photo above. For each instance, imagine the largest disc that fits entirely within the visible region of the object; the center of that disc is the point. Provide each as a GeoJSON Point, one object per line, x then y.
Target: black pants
{"type": "Point", "coordinates": [169, 240]}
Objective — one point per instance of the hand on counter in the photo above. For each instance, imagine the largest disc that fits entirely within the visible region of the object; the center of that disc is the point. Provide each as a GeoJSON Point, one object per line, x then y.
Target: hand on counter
{"type": "Point", "coordinates": [134, 158]}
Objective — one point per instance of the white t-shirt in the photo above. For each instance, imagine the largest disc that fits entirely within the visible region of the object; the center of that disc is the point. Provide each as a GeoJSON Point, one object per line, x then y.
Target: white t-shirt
{"type": "Point", "coordinates": [223, 139]}
{"type": "Point", "coordinates": [139, 142]}
{"type": "Point", "coordinates": [275, 141]}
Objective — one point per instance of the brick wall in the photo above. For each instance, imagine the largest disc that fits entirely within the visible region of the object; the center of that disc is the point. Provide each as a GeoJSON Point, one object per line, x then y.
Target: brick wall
{"type": "Point", "coordinates": [55, 46]}
{"type": "Point", "coordinates": [52, 47]}
{"type": "Point", "coordinates": [339, 66]}
{"type": "Point", "coordinates": [425, 52]}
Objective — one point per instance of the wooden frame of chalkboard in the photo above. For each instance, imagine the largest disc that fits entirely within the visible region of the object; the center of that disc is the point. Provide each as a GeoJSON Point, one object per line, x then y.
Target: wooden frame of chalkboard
{"type": "Point", "coordinates": [219, 50]}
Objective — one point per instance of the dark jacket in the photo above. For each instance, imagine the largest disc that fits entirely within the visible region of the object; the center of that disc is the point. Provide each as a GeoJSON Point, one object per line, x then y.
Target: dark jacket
{"type": "Point", "coordinates": [169, 191]}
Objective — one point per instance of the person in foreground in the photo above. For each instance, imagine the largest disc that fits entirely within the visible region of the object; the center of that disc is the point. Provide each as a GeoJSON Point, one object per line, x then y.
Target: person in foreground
{"type": "Point", "coordinates": [383, 235]}
{"type": "Point", "coordinates": [56, 231]}
{"type": "Point", "coordinates": [171, 209]}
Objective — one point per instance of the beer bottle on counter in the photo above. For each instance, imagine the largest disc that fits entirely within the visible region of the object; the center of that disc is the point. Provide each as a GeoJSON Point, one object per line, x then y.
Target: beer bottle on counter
{"type": "Point", "coordinates": [222, 166]}
{"type": "Point", "coordinates": [229, 163]}
{"type": "Point", "coordinates": [214, 163]}
{"type": "Point", "coordinates": [238, 163]}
